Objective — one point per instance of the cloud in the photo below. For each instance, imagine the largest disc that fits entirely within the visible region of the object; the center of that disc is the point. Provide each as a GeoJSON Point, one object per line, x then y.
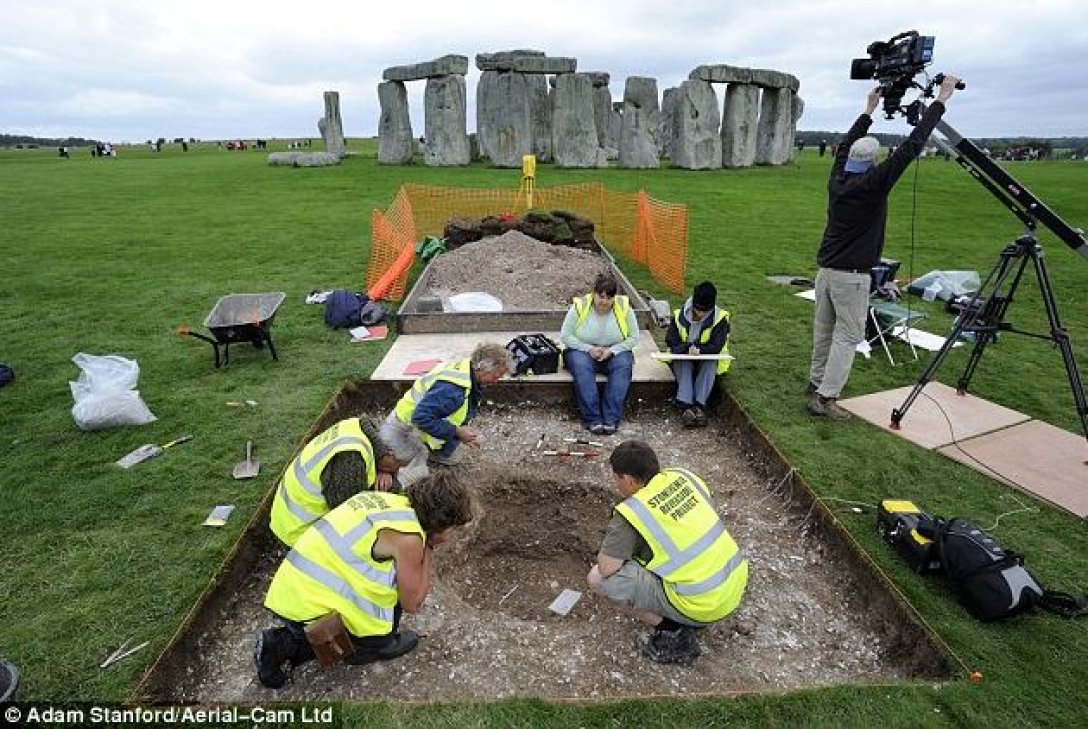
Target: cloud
{"type": "Point", "coordinates": [128, 70]}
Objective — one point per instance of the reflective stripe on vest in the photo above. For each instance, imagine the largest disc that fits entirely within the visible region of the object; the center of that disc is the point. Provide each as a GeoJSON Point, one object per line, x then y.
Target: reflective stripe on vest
{"type": "Point", "coordinates": [702, 570]}
{"type": "Point", "coordinates": [332, 566]}
{"type": "Point", "coordinates": [459, 373]}
{"type": "Point", "coordinates": [704, 335]}
{"type": "Point", "coordinates": [621, 305]}
{"type": "Point", "coordinates": [300, 500]}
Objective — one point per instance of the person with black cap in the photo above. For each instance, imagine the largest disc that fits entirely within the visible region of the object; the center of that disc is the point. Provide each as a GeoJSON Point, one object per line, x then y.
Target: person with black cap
{"type": "Point", "coordinates": [699, 327]}
{"type": "Point", "coordinates": [852, 244]}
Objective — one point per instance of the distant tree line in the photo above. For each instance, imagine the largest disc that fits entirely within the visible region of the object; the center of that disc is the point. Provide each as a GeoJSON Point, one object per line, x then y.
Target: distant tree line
{"type": "Point", "coordinates": [15, 140]}
{"type": "Point", "coordinates": [1049, 147]}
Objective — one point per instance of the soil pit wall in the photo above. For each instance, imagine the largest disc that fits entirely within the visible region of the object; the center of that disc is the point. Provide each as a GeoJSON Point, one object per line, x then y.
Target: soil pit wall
{"type": "Point", "coordinates": [814, 613]}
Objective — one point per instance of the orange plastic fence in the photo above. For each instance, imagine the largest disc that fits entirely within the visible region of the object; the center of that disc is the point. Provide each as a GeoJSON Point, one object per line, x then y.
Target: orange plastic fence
{"type": "Point", "coordinates": [648, 231]}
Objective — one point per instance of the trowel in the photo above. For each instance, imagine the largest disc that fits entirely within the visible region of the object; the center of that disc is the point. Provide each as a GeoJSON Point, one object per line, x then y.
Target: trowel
{"type": "Point", "coordinates": [248, 468]}
{"type": "Point", "coordinates": [148, 450]}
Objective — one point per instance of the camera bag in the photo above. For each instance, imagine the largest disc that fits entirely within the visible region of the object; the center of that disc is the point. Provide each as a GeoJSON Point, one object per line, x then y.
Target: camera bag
{"type": "Point", "coordinates": [534, 354]}
{"type": "Point", "coordinates": [991, 581]}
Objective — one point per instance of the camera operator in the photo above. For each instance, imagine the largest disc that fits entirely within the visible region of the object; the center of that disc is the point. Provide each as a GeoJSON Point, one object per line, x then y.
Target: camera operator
{"type": "Point", "coordinates": [852, 244]}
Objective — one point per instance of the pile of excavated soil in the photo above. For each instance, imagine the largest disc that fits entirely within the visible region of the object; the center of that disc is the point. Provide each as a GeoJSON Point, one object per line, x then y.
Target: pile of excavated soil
{"type": "Point", "coordinates": [522, 272]}
{"type": "Point", "coordinates": [807, 618]}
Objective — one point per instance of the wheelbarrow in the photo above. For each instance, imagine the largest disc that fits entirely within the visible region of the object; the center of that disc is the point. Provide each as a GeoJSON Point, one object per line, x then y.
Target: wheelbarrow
{"type": "Point", "coordinates": [239, 318]}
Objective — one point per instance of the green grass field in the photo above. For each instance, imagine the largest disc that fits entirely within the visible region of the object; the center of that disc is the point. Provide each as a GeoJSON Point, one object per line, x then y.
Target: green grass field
{"type": "Point", "coordinates": [110, 256]}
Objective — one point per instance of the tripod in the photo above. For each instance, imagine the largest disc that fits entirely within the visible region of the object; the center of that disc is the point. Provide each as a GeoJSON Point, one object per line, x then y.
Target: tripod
{"type": "Point", "coordinates": [984, 316]}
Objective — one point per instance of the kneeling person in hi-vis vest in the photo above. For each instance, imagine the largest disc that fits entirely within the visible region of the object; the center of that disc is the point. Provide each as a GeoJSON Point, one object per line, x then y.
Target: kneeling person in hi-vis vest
{"type": "Point", "coordinates": [367, 560]}
{"type": "Point", "coordinates": [667, 558]}
{"type": "Point", "coordinates": [430, 421]}
{"type": "Point", "coordinates": [347, 458]}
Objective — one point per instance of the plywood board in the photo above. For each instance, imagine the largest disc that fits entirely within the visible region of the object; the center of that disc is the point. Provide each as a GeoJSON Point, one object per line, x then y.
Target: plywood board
{"type": "Point", "coordinates": [412, 347]}
{"type": "Point", "coordinates": [1036, 457]}
{"type": "Point", "coordinates": [937, 417]}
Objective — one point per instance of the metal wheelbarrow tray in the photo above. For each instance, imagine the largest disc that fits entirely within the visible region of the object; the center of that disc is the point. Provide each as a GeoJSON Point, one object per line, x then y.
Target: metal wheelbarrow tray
{"type": "Point", "coordinates": [240, 318]}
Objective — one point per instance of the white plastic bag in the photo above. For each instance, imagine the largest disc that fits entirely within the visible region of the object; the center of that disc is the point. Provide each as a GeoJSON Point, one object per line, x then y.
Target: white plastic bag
{"type": "Point", "coordinates": [952, 283]}
{"type": "Point", "coordinates": [473, 301]}
{"type": "Point", "coordinates": [105, 393]}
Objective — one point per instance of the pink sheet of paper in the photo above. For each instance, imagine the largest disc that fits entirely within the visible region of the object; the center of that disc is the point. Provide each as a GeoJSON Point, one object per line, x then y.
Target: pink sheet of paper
{"type": "Point", "coordinates": [420, 366]}
{"type": "Point", "coordinates": [378, 331]}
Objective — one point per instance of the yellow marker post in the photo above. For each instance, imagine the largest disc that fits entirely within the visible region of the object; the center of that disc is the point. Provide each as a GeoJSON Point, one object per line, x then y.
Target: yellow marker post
{"type": "Point", "coordinates": [528, 179]}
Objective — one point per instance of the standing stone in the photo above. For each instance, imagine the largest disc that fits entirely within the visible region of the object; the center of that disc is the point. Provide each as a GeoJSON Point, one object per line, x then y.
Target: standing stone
{"type": "Point", "coordinates": [506, 121]}
{"type": "Point", "coordinates": [641, 123]}
{"type": "Point", "coordinates": [697, 144]}
{"type": "Point", "coordinates": [444, 121]}
{"type": "Point", "coordinates": [540, 114]}
{"type": "Point", "coordinates": [395, 139]}
{"type": "Point", "coordinates": [739, 123]}
{"type": "Point", "coordinates": [615, 126]}
{"type": "Point", "coordinates": [602, 104]}
{"type": "Point", "coordinates": [798, 110]}
{"type": "Point", "coordinates": [574, 133]}
{"type": "Point", "coordinates": [669, 99]}
{"type": "Point", "coordinates": [485, 89]}
{"type": "Point", "coordinates": [773, 137]}
{"type": "Point", "coordinates": [330, 126]}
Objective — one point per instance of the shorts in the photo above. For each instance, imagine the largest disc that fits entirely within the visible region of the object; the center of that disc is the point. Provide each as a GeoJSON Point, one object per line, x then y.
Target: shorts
{"type": "Point", "coordinates": [637, 587]}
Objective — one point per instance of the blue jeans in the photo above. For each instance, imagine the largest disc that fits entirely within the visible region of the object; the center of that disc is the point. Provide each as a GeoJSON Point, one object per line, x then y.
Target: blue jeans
{"type": "Point", "coordinates": [618, 369]}
{"type": "Point", "coordinates": [694, 381]}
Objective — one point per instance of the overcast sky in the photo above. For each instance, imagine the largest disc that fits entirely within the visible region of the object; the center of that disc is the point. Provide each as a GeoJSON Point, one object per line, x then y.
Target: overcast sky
{"type": "Point", "coordinates": [129, 70]}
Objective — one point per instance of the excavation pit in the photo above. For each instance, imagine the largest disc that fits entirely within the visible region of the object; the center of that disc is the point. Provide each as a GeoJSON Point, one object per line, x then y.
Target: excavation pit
{"type": "Point", "coordinates": [815, 612]}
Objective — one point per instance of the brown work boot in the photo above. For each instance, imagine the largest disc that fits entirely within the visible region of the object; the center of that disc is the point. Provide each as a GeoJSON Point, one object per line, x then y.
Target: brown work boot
{"type": "Point", "coordinates": [827, 407]}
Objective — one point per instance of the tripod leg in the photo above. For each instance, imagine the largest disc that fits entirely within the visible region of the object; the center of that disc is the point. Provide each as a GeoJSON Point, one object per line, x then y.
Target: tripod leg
{"type": "Point", "coordinates": [930, 370]}
{"type": "Point", "coordinates": [1061, 338]}
{"type": "Point", "coordinates": [965, 321]}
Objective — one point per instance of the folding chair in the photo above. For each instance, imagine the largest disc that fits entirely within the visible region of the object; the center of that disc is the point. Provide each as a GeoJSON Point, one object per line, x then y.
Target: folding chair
{"type": "Point", "coordinates": [892, 320]}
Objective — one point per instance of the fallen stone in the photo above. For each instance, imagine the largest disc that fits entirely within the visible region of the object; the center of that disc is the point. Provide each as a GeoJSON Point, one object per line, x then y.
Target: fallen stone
{"type": "Point", "coordinates": [303, 159]}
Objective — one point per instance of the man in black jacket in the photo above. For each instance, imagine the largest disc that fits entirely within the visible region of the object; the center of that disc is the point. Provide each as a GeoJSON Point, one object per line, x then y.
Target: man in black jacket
{"type": "Point", "coordinates": [853, 242]}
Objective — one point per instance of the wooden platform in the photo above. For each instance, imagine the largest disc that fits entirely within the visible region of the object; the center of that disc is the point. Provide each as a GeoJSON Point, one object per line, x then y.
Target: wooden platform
{"type": "Point", "coordinates": [410, 348]}
{"type": "Point", "coordinates": [1004, 444]}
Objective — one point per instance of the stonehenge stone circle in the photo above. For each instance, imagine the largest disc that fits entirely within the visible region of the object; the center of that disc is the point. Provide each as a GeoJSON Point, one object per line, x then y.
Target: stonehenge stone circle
{"type": "Point", "coordinates": [530, 103]}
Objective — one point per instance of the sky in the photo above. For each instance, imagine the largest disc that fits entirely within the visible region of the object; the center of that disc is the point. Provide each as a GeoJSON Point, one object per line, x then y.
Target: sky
{"type": "Point", "coordinates": [132, 70]}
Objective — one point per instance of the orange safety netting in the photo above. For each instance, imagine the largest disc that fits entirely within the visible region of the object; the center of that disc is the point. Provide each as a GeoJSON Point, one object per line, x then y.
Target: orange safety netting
{"type": "Point", "coordinates": [647, 231]}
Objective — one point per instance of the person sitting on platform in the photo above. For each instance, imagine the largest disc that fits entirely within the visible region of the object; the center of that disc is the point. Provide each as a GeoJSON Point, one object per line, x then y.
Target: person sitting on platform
{"type": "Point", "coordinates": [600, 333]}
{"type": "Point", "coordinates": [699, 327]}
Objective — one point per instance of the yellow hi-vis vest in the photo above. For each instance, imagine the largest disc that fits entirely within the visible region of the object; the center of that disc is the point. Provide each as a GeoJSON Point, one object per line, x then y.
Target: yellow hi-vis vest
{"type": "Point", "coordinates": [702, 570]}
{"type": "Point", "coordinates": [621, 305]}
{"type": "Point", "coordinates": [332, 567]}
{"type": "Point", "coordinates": [299, 500]}
{"type": "Point", "coordinates": [704, 335]}
{"type": "Point", "coordinates": [459, 373]}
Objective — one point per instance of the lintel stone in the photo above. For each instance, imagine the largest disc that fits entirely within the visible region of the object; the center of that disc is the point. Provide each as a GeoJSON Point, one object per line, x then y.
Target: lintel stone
{"type": "Point", "coordinates": [445, 66]}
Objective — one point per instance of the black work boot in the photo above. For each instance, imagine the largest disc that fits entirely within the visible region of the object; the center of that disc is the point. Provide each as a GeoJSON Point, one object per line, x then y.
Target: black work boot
{"type": "Point", "coordinates": [671, 646]}
{"type": "Point", "coordinates": [272, 650]}
{"type": "Point", "coordinates": [397, 645]}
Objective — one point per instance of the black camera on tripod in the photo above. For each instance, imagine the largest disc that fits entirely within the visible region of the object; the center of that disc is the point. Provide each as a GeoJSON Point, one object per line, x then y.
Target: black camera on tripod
{"type": "Point", "coordinates": [894, 63]}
